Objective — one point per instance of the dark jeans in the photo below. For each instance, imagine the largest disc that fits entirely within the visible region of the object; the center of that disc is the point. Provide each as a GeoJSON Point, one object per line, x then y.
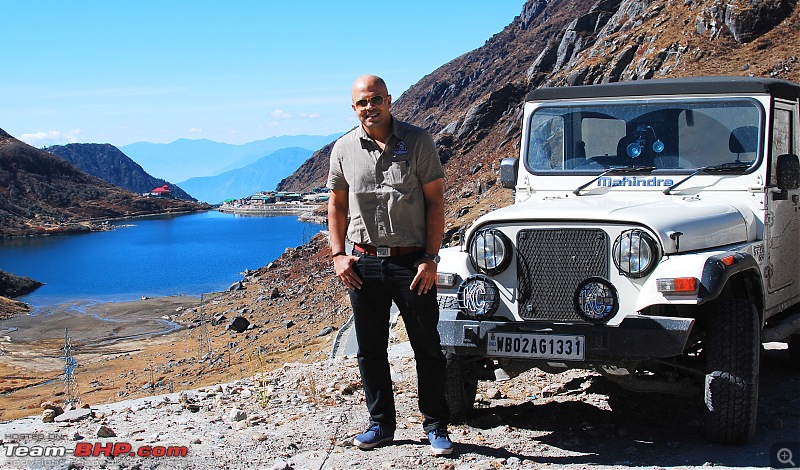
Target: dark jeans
{"type": "Point", "coordinates": [384, 280]}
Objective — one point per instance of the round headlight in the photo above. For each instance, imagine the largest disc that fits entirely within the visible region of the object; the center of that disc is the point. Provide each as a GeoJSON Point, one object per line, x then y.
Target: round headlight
{"type": "Point", "coordinates": [490, 251]}
{"type": "Point", "coordinates": [478, 297]}
{"type": "Point", "coordinates": [635, 253]}
{"type": "Point", "coordinates": [596, 300]}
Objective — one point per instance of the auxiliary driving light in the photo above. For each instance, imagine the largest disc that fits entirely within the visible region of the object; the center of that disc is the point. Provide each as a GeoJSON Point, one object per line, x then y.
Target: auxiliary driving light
{"type": "Point", "coordinates": [634, 149]}
{"type": "Point", "coordinates": [596, 300]}
{"type": "Point", "coordinates": [478, 297]}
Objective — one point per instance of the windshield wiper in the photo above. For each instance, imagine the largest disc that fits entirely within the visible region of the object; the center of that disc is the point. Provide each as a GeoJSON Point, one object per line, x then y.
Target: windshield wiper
{"type": "Point", "coordinates": [617, 170]}
{"type": "Point", "coordinates": [731, 167]}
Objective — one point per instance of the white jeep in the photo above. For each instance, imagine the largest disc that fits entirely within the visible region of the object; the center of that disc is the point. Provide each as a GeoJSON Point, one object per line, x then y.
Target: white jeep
{"type": "Point", "coordinates": [654, 238]}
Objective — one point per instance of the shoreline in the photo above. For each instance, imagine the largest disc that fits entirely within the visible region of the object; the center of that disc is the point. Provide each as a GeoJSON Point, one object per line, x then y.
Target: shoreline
{"type": "Point", "coordinates": [95, 225]}
{"type": "Point", "coordinates": [269, 209]}
{"type": "Point", "coordinates": [92, 323]}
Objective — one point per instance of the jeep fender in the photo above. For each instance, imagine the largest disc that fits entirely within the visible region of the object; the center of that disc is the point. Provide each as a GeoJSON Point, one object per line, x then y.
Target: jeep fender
{"type": "Point", "coordinates": [710, 270]}
{"type": "Point", "coordinates": [719, 269]}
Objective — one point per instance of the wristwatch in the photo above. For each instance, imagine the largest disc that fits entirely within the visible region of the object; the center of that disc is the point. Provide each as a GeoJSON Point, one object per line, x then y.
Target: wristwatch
{"type": "Point", "coordinates": [434, 258]}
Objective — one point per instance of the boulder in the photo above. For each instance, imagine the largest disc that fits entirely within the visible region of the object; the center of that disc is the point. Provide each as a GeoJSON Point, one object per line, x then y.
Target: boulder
{"type": "Point", "coordinates": [747, 20]}
{"type": "Point", "coordinates": [238, 324]}
{"type": "Point", "coordinates": [236, 415]}
{"type": "Point", "coordinates": [325, 331]}
{"type": "Point", "coordinates": [73, 415]}
{"type": "Point", "coordinates": [48, 416]}
{"type": "Point", "coordinates": [105, 431]}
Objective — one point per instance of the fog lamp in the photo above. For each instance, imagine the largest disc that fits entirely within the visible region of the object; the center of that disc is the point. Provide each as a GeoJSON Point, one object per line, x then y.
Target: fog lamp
{"type": "Point", "coordinates": [596, 300]}
{"type": "Point", "coordinates": [478, 297]}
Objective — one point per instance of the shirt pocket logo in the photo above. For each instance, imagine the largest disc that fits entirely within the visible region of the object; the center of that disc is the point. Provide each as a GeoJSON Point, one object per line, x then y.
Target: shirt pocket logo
{"type": "Point", "coordinates": [401, 148]}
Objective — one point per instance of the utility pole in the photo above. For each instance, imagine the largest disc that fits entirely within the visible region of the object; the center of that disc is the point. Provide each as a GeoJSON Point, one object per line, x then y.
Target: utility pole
{"type": "Point", "coordinates": [203, 340]}
{"type": "Point", "coordinates": [70, 384]}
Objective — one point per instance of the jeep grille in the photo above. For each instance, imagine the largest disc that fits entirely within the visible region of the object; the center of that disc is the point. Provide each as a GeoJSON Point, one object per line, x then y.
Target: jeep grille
{"type": "Point", "coordinates": [550, 265]}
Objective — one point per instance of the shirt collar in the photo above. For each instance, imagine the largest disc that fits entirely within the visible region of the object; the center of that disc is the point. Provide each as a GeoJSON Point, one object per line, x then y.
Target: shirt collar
{"type": "Point", "coordinates": [398, 131]}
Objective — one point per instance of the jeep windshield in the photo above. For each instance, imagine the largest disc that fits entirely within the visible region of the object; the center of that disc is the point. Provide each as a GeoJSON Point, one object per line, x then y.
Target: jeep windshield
{"type": "Point", "coordinates": [672, 136]}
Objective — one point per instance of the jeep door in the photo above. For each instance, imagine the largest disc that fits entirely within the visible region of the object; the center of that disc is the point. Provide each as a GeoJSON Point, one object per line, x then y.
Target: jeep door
{"type": "Point", "coordinates": [781, 225]}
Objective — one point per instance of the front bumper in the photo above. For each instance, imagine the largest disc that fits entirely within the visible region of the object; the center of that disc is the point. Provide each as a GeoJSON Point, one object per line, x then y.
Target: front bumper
{"type": "Point", "coordinates": [636, 338]}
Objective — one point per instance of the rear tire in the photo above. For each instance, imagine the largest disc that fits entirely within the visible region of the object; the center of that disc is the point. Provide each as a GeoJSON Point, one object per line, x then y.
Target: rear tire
{"type": "Point", "coordinates": [460, 388]}
{"type": "Point", "coordinates": [733, 351]}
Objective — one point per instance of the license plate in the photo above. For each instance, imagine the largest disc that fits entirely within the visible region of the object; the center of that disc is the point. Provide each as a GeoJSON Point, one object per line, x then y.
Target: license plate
{"type": "Point", "coordinates": [533, 346]}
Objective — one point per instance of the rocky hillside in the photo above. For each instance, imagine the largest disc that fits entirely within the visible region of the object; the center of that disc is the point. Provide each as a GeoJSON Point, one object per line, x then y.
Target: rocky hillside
{"type": "Point", "coordinates": [41, 193]}
{"type": "Point", "coordinates": [109, 164]}
{"type": "Point", "coordinates": [473, 104]}
{"type": "Point", "coordinates": [14, 286]}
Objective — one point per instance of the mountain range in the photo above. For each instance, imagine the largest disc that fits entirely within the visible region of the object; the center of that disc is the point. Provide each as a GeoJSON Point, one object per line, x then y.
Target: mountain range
{"type": "Point", "coordinates": [262, 175]}
{"type": "Point", "coordinates": [186, 158]}
{"type": "Point", "coordinates": [41, 193]}
{"type": "Point", "coordinates": [109, 164]}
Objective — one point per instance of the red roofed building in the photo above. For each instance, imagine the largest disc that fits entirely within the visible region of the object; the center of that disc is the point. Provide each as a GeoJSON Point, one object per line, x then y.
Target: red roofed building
{"type": "Point", "coordinates": [163, 191]}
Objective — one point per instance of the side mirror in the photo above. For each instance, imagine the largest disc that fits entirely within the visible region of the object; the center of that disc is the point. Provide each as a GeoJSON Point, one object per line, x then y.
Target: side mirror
{"type": "Point", "coordinates": [508, 172]}
{"type": "Point", "coordinates": [787, 171]}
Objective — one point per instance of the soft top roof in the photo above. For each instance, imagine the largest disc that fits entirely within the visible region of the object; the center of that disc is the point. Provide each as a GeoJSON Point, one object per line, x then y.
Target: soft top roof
{"type": "Point", "coordinates": [672, 86]}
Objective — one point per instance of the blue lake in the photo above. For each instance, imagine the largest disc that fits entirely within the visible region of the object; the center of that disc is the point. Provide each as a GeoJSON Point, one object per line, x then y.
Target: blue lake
{"type": "Point", "coordinates": [155, 256]}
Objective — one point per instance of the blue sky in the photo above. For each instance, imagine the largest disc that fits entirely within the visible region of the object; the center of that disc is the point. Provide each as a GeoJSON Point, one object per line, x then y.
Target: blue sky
{"type": "Point", "coordinates": [236, 71]}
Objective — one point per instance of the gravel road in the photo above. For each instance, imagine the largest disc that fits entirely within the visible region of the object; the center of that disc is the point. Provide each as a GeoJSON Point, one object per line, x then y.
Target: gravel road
{"type": "Point", "coordinates": [303, 416]}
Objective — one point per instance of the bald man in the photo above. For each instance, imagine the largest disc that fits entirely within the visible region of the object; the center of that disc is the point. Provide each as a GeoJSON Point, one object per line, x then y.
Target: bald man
{"type": "Point", "coordinates": [386, 176]}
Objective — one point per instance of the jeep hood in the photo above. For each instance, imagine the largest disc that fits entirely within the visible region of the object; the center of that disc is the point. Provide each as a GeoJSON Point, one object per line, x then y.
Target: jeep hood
{"type": "Point", "coordinates": [704, 224]}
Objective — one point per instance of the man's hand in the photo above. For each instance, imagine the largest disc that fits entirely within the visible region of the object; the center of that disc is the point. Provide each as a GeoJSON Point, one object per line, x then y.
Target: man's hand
{"type": "Point", "coordinates": [426, 276]}
{"type": "Point", "coordinates": [343, 265]}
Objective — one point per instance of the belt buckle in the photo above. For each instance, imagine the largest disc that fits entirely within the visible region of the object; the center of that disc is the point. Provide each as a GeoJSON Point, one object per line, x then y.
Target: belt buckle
{"type": "Point", "coordinates": [383, 252]}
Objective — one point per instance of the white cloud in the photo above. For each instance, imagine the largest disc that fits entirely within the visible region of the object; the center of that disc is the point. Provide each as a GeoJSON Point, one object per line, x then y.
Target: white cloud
{"type": "Point", "coordinates": [309, 116]}
{"type": "Point", "coordinates": [280, 114]}
{"type": "Point", "coordinates": [195, 130]}
{"type": "Point", "coordinates": [46, 138]}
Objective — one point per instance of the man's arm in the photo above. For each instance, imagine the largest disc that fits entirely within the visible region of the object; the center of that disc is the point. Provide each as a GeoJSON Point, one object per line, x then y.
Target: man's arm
{"type": "Point", "coordinates": [433, 193]}
{"type": "Point", "coordinates": [434, 214]}
{"type": "Point", "coordinates": [338, 205]}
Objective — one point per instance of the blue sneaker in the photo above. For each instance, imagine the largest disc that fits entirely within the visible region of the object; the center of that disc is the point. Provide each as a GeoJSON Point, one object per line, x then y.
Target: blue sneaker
{"type": "Point", "coordinates": [374, 436]}
{"type": "Point", "coordinates": [440, 442]}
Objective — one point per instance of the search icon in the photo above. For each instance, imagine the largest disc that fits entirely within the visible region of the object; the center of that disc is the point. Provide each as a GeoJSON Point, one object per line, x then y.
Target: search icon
{"type": "Point", "coordinates": [785, 456]}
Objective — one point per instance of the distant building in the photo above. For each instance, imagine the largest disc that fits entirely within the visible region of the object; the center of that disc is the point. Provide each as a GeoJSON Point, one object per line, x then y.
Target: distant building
{"type": "Point", "coordinates": [262, 198]}
{"type": "Point", "coordinates": [285, 196]}
{"type": "Point", "coordinates": [163, 191]}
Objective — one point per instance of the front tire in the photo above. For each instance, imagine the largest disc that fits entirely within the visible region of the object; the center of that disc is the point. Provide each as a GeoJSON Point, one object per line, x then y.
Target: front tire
{"type": "Point", "coordinates": [733, 346]}
{"type": "Point", "coordinates": [461, 388]}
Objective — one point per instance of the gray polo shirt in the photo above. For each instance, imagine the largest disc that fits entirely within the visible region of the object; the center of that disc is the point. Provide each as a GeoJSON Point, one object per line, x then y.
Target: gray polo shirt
{"type": "Point", "coordinates": [387, 207]}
